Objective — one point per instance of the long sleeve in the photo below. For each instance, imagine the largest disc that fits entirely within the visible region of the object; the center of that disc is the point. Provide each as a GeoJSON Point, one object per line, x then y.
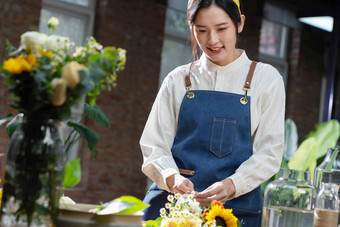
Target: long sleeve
{"type": "Point", "coordinates": [268, 137]}
{"type": "Point", "coordinates": [158, 136]}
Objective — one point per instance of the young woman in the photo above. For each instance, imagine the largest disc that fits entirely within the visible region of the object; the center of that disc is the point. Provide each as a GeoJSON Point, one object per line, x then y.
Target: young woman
{"type": "Point", "coordinates": [217, 125]}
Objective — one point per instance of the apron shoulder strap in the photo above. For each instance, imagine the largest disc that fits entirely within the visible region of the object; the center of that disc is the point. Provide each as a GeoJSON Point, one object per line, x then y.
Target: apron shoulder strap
{"type": "Point", "coordinates": [250, 76]}
{"type": "Point", "coordinates": [187, 78]}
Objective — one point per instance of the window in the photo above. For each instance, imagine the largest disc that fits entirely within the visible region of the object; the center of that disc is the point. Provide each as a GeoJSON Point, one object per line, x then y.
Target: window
{"type": "Point", "coordinates": [176, 49]}
{"type": "Point", "coordinates": [273, 46]}
{"type": "Point", "coordinates": [274, 37]}
{"type": "Point", "coordinates": [76, 18]}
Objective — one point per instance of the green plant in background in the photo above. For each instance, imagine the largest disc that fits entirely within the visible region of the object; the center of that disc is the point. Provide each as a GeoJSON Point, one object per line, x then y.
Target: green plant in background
{"type": "Point", "coordinates": [315, 146]}
{"type": "Point", "coordinates": [311, 151]}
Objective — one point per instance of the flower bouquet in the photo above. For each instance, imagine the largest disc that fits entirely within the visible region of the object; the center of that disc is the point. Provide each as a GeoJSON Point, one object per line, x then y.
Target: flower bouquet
{"type": "Point", "coordinates": [185, 211]}
{"type": "Point", "coordinates": [47, 75]}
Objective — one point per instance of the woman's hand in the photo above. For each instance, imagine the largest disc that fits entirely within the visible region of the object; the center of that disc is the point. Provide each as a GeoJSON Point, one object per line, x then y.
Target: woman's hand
{"type": "Point", "coordinates": [221, 191]}
{"type": "Point", "coordinates": [179, 184]}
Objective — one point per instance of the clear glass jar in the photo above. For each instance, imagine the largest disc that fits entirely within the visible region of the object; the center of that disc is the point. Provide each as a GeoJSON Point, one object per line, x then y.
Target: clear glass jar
{"type": "Point", "coordinates": [289, 201]}
{"type": "Point", "coordinates": [327, 206]}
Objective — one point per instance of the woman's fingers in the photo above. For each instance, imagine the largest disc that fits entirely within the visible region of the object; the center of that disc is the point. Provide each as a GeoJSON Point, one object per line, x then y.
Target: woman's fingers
{"type": "Point", "coordinates": [182, 185]}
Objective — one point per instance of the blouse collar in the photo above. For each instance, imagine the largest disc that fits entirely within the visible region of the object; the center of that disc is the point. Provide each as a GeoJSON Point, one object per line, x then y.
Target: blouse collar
{"type": "Point", "coordinates": [212, 67]}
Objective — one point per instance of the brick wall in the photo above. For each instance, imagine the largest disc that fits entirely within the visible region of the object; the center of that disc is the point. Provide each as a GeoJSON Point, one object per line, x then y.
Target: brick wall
{"type": "Point", "coordinates": [307, 66]}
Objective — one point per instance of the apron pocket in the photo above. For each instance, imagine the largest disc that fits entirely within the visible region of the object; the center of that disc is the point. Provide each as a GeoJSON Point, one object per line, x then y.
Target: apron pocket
{"type": "Point", "coordinates": [222, 136]}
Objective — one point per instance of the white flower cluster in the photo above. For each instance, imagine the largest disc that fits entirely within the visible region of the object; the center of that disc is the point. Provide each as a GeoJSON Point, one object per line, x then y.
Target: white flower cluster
{"type": "Point", "coordinates": [210, 224]}
{"type": "Point", "coordinates": [36, 41]}
{"type": "Point", "coordinates": [182, 208]}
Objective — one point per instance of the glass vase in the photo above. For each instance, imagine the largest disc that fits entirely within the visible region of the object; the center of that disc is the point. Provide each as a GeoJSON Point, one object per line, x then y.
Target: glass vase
{"type": "Point", "coordinates": [33, 179]}
{"type": "Point", "coordinates": [289, 201]}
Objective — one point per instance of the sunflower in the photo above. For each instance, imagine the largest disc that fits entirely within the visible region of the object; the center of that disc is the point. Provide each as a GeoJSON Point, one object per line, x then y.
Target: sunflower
{"type": "Point", "coordinates": [222, 216]}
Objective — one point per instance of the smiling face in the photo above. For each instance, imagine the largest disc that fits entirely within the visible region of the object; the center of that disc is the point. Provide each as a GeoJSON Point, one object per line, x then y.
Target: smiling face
{"type": "Point", "coordinates": [216, 34]}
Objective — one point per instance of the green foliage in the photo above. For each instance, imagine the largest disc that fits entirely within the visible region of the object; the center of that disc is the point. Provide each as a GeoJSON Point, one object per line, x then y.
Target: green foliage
{"type": "Point", "coordinates": [72, 173]}
{"type": "Point", "coordinates": [90, 136]}
{"type": "Point", "coordinates": [305, 155]}
{"type": "Point", "coordinates": [289, 197]}
{"type": "Point", "coordinates": [98, 115]}
{"type": "Point", "coordinates": [327, 135]}
{"type": "Point", "coordinates": [123, 205]}
{"type": "Point", "coordinates": [154, 223]}
{"type": "Point", "coordinates": [315, 146]}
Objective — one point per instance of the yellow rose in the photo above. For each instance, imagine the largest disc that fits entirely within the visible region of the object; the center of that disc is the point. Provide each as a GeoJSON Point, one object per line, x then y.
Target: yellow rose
{"type": "Point", "coordinates": [31, 59]}
{"type": "Point", "coordinates": [58, 97]}
{"type": "Point", "coordinates": [25, 65]}
{"type": "Point", "coordinates": [17, 65]}
{"type": "Point", "coordinates": [70, 73]}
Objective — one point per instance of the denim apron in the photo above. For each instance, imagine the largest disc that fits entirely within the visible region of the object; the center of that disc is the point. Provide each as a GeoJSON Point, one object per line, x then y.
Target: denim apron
{"type": "Point", "coordinates": [213, 139]}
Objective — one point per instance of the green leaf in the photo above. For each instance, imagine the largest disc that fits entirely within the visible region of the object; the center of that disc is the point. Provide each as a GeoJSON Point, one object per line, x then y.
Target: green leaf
{"type": "Point", "coordinates": [122, 205]}
{"type": "Point", "coordinates": [151, 223]}
{"type": "Point", "coordinates": [90, 136]}
{"type": "Point", "coordinates": [311, 169]}
{"type": "Point", "coordinates": [136, 204]}
{"type": "Point", "coordinates": [98, 115]}
{"type": "Point", "coordinates": [326, 135]}
{"type": "Point", "coordinates": [154, 223]}
{"type": "Point", "coordinates": [10, 128]}
{"type": "Point", "coordinates": [291, 139]}
{"type": "Point", "coordinates": [305, 155]}
{"type": "Point", "coordinates": [72, 173]}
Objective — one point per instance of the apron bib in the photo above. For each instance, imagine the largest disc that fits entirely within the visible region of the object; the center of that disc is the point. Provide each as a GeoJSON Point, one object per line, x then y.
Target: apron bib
{"type": "Point", "coordinates": [213, 139]}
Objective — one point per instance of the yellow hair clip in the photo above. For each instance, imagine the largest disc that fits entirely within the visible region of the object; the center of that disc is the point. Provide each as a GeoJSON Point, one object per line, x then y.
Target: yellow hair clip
{"type": "Point", "coordinates": [237, 2]}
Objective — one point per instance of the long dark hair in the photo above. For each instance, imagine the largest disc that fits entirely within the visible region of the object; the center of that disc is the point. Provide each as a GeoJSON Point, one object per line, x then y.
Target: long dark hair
{"type": "Point", "coordinates": [194, 6]}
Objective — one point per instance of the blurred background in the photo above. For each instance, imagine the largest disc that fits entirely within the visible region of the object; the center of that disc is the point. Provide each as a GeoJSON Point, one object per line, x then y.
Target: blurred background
{"type": "Point", "coordinates": [156, 37]}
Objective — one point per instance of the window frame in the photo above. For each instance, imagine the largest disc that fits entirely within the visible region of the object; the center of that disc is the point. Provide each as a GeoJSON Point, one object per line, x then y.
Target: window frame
{"type": "Point", "coordinates": [75, 10]}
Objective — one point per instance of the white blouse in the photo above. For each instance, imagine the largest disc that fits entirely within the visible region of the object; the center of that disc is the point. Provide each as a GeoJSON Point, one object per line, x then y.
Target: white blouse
{"type": "Point", "coordinates": [267, 119]}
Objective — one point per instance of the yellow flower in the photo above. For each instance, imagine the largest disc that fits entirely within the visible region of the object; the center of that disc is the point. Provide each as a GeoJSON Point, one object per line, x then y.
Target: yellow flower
{"type": "Point", "coordinates": [17, 65]}
{"type": "Point", "coordinates": [225, 214]}
{"type": "Point", "coordinates": [47, 53]}
{"type": "Point", "coordinates": [31, 59]}
{"type": "Point", "coordinates": [58, 97]}
{"type": "Point", "coordinates": [70, 73]}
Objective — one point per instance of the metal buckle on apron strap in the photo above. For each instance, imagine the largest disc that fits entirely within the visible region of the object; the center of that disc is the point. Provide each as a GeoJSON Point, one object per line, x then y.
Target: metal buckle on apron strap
{"type": "Point", "coordinates": [244, 99]}
{"type": "Point", "coordinates": [190, 94]}
{"type": "Point", "coordinates": [246, 87]}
